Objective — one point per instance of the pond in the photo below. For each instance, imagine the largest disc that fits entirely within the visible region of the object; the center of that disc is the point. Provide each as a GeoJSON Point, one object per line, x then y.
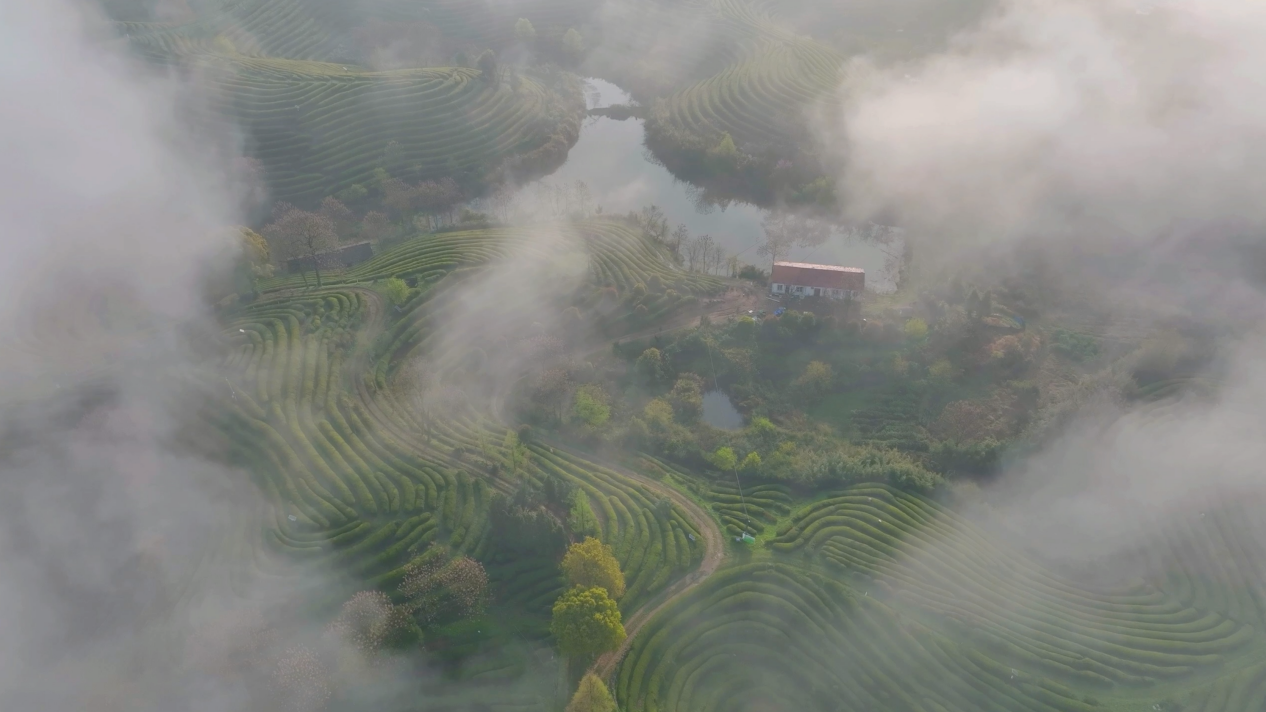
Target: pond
{"type": "Point", "coordinates": [612, 161]}
{"type": "Point", "coordinates": [719, 412]}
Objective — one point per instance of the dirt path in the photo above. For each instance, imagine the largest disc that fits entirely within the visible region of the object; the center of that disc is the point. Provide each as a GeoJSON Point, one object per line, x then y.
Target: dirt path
{"type": "Point", "coordinates": [736, 302]}
{"type": "Point", "coordinates": [713, 554]}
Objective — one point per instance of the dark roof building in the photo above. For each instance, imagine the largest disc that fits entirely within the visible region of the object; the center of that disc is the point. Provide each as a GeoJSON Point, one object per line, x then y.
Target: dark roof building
{"type": "Point", "coordinates": [808, 280]}
{"type": "Point", "coordinates": [342, 258]}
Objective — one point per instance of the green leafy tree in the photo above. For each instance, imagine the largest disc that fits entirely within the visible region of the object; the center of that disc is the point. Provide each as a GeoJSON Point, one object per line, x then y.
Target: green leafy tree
{"type": "Point", "coordinates": [590, 564]}
{"type": "Point", "coordinates": [724, 459]}
{"type": "Point", "coordinates": [590, 405]}
{"type": "Point", "coordinates": [686, 398]}
{"type": "Point", "coordinates": [816, 378]}
{"type": "Point", "coordinates": [751, 463]}
{"type": "Point", "coordinates": [254, 261]}
{"type": "Point", "coordinates": [397, 291]}
{"type": "Point", "coordinates": [487, 64]}
{"type": "Point", "coordinates": [586, 621]}
{"type": "Point", "coordinates": [650, 365]}
{"type": "Point", "coordinates": [658, 412]}
{"type": "Point", "coordinates": [724, 155]}
{"type": "Point", "coordinates": [524, 31]}
{"type": "Point", "coordinates": [916, 328]}
{"type": "Point", "coordinates": [591, 696]}
{"type": "Point", "coordinates": [573, 43]}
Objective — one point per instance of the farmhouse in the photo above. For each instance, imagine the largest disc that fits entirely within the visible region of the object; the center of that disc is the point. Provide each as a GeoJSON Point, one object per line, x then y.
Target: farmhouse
{"type": "Point", "coordinates": [810, 280]}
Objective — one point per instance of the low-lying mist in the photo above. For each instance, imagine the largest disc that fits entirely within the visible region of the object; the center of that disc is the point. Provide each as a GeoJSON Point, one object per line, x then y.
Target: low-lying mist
{"type": "Point", "coordinates": [1117, 147]}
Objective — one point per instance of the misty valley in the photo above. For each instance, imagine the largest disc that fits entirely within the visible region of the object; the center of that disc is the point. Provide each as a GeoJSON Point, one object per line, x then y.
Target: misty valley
{"type": "Point", "coordinates": [633, 356]}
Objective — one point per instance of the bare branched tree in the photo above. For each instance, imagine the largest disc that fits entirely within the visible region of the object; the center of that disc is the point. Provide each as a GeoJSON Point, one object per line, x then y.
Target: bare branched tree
{"type": "Point", "coordinates": [678, 239]}
{"type": "Point", "coordinates": [501, 200]}
{"type": "Point", "coordinates": [784, 232]}
{"type": "Point", "coordinates": [707, 246]}
{"type": "Point", "coordinates": [653, 223]}
{"type": "Point", "coordinates": [299, 234]}
{"type": "Point", "coordinates": [338, 213]}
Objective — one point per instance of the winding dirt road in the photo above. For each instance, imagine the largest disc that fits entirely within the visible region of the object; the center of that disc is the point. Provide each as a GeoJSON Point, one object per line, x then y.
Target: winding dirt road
{"type": "Point", "coordinates": [713, 554]}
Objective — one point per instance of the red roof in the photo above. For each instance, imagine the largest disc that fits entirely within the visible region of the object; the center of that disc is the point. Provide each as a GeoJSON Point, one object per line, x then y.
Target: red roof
{"type": "Point", "coordinates": [803, 274]}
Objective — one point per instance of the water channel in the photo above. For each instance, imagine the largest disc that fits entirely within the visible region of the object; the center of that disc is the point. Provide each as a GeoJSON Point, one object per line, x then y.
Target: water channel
{"type": "Point", "coordinates": [611, 160]}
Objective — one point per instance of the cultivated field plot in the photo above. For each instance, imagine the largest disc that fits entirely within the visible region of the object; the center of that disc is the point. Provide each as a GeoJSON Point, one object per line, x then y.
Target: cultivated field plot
{"type": "Point", "coordinates": [768, 81]}
{"type": "Point", "coordinates": [617, 255]}
{"type": "Point", "coordinates": [362, 480]}
{"type": "Point", "coordinates": [879, 600]}
{"type": "Point", "coordinates": [321, 120]}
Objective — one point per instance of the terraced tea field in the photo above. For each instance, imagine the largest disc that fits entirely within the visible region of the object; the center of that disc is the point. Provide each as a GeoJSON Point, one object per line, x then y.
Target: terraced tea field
{"type": "Point", "coordinates": [321, 122]}
{"type": "Point", "coordinates": [872, 599]}
{"type": "Point", "coordinates": [362, 481]}
{"type": "Point", "coordinates": [770, 79]}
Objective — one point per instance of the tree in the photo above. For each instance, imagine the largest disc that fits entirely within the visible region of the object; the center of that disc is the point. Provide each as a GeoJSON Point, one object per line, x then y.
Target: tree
{"type": "Point", "coordinates": [586, 621]}
{"type": "Point", "coordinates": [706, 245]}
{"type": "Point", "coordinates": [680, 236]}
{"type": "Point", "coordinates": [653, 223]}
{"type": "Point", "coordinates": [517, 454]}
{"type": "Point", "coordinates": [337, 212]}
{"type": "Point", "coordinates": [694, 251]}
{"type": "Point", "coordinates": [724, 459]}
{"type": "Point", "coordinates": [816, 378]}
{"type": "Point", "coordinates": [375, 225]}
{"type": "Point", "coordinates": [370, 621]}
{"type": "Point", "coordinates": [399, 196]}
{"type": "Point", "coordinates": [573, 43]}
{"type": "Point", "coordinates": [687, 398]}
{"type": "Point", "coordinates": [916, 328]}
{"type": "Point", "coordinates": [590, 405]}
{"type": "Point", "coordinates": [397, 290]}
{"type": "Point", "coordinates": [441, 591]}
{"type": "Point", "coordinates": [303, 236]}
{"type": "Point", "coordinates": [778, 241]}
{"type": "Point", "coordinates": [724, 156]}
{"type": "Point", "coordinates": [254, 261]}
{"type": "Point", "coordinates": [487, 64]}
{"type": "Point", "coordinates": [501, 199]}
{"type": "Point", "coordinates": [650, 364]}
{"type": "Point", "coordinates": [590, 564]}
{"type": "Point", "coordinates": [786, 231]}
{"type": "Point", "coordinates": [591, 696]}
{"type": "Point", "coordinates": [524, 31]}
{"type": "Point", "coordinates": [658, 412]}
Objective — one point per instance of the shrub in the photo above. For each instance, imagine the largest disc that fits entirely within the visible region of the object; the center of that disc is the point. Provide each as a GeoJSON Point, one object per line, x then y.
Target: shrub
{"type": "Point", "coordinates": [815, 381]}
{"type": "Point", "coordinates": [592, 695]}
{"type": "Point", "coordinates": [589, 405]}
{"type": "Point", "coordinates": [397, 291]}
{"type": "Point", "coordinates": [916, 328]}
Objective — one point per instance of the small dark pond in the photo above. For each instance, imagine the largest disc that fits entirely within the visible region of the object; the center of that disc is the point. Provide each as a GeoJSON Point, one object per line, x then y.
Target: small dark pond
{"type": "Point", "coordinates": [719, 412]}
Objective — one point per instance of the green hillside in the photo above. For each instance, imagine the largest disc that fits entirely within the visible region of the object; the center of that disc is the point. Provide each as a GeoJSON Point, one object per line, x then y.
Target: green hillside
{"type": "Point", "coordinates": [301, 80]}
